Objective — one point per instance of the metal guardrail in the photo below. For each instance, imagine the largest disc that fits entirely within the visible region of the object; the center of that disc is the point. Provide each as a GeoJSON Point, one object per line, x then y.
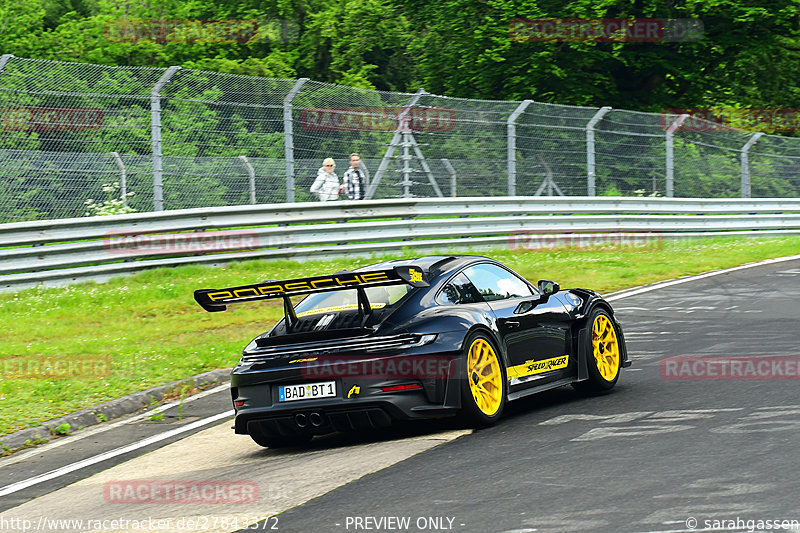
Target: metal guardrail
{"type": "Point", "coordinates": [59, 252]}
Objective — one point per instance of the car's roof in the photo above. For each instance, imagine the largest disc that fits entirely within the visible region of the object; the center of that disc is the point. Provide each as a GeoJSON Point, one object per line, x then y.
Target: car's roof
{"type": "Point", "coordinates": [436, 264]}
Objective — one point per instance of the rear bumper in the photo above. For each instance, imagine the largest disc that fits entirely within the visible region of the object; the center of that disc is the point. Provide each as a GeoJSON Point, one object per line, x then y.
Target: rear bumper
{"type": "Point", "coordinates": [319, 418]}
{"type": "Point", "coordinates": [359, 402]}
{"type": "Point", "coordinates": [328, 421]}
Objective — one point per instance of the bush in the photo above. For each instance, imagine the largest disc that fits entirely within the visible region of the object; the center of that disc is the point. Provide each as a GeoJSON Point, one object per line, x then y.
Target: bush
{"type": "Point", "coordinates": [111, 205]}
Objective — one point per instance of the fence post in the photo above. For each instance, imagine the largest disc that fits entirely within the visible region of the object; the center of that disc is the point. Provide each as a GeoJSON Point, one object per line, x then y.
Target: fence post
{"type": "Point", "coordinates": [670, 155]}
{"type": "Point", "coordinates": [252, 173]}
{"type": "Point", "coordinates": [511, 141]}
{"type": "Point", "coordinates": [406, 157]}
{"type": "Point", "coordinates": [155, 134]}
{"type": "Point", "coordinates": [746, 164]}
{"type": "Point", "coordinates": [288, 137]}
{"type": "Point", "coordinates": [591, 187]}
{"type": "Point", "coordinates": [452, 172]}
{"type": "Point", "coordinates": [3, 60]}
{"type": "Point", "coordinates": [123, 178]}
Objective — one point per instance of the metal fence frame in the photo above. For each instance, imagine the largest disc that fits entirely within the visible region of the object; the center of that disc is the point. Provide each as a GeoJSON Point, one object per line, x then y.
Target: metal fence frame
{"type": "Point", "coordinates": [520, 121]}
{"type": "Point", "coordinates": [60, 252]}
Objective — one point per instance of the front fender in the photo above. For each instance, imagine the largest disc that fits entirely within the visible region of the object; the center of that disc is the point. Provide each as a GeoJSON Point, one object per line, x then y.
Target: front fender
{"type": "Point", "coordinates": [592, 300]}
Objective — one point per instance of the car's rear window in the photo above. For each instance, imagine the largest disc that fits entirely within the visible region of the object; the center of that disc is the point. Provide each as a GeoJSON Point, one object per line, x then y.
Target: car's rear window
{"type": "Point", "coordinates": [347, 300]}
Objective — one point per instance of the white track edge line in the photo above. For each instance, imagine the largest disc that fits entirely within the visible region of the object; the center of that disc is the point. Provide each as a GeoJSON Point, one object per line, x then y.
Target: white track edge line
{"type": "Point", "coordinates": [20, 485]}
{"type": "Point", "coordinates": [660, 285]}
{"type": "Point", "coordinates": [102, 428]}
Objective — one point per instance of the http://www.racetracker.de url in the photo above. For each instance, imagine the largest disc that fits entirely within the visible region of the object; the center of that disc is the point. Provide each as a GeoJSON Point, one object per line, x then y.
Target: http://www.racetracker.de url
{"type": "Point", "coordinates": [193, 523]}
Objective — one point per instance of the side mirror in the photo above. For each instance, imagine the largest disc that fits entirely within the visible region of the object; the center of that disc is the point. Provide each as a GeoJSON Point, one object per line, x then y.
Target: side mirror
{"type": "Point", "coordinates": [547, 287]}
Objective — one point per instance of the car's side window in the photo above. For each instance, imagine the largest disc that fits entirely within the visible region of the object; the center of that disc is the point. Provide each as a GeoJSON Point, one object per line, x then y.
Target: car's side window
{"type": "Point", "coordinates": [495, 283]}
{"type": "Point", "coordinates": [459, 291]}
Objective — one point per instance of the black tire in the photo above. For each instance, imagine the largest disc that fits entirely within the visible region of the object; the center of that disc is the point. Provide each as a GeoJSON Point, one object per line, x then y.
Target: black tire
{"type": "Point", "coordinates": [269, 440]}
{"type": "Point", "coordinates": [482, 405]}
{"type": "Point", "coordinates": [603, 354]}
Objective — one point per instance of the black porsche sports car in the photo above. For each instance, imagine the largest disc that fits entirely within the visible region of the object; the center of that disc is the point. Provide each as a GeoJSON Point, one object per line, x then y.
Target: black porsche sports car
{"type": "Point", "coordinates": [410, 339]}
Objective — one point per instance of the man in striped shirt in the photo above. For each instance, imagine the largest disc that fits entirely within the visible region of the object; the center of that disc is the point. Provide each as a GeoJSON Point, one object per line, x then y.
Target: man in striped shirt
{"type": "Point", "coordinates": [355, 179]}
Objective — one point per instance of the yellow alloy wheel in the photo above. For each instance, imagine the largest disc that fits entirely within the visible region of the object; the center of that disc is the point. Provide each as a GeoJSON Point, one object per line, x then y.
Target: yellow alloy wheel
{"type": "Point", "coordinates": [485, 377]}
{"type": "Point", "coordinates": [605, 347]}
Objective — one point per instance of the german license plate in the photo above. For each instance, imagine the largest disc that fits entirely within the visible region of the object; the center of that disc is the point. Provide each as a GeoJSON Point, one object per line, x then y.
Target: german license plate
{"type": "Point", "coordinates": [306, 391]}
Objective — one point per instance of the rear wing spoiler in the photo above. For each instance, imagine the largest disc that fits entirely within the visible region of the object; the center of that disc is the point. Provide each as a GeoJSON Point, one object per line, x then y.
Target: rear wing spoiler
{"type": "Point", "coordinates": [213, 300]}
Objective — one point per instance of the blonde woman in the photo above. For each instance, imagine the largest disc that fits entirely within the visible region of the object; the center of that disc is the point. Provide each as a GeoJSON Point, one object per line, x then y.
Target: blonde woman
{"type": "Point", "coordinates": [327, 186]}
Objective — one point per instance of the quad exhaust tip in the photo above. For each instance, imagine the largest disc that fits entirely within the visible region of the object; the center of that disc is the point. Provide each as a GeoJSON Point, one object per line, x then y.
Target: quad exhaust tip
{"type": "Point", "coordinates": [302, 420]}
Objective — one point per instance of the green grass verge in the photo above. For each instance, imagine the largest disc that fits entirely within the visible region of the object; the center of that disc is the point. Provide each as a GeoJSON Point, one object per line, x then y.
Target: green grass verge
{"type": "Point", "coordinates": [150, 331]}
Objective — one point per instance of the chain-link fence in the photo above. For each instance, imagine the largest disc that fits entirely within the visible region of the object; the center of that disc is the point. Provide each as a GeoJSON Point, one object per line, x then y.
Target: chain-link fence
{"type": "Point", "coordinates": [179, 138]}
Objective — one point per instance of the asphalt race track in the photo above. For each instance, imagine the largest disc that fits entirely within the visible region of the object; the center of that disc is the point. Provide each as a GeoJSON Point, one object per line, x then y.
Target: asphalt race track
{"type": "Point", "coordinates": [682, 444]}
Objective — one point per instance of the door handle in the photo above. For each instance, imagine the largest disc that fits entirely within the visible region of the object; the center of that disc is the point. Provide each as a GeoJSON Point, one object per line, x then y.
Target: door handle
{"type": "Point", "coordinates": [512, 324]}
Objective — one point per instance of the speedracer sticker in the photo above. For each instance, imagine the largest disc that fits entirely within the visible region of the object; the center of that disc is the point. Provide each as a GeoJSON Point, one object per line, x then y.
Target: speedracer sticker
{"type": "Point", "coordinates": [529, 368]}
